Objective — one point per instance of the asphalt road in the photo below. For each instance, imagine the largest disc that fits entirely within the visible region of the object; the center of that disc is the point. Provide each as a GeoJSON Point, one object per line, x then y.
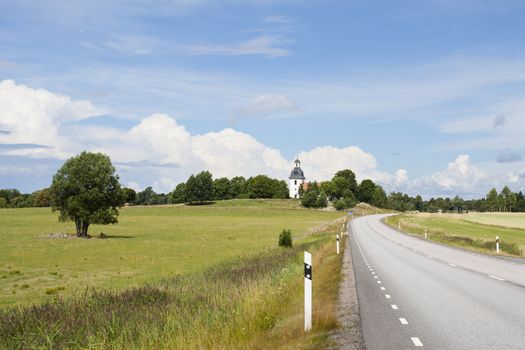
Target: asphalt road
{"type": "Point", "coordinates": [414, 293]}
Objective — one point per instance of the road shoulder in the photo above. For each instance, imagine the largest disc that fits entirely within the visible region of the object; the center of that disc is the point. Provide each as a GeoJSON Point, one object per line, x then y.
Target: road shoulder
{"type": "Point", "coordinates": [349, 335]}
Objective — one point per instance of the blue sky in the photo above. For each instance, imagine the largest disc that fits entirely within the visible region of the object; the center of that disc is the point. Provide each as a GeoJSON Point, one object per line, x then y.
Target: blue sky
{"type": "Point", "coordinates": [421, 96]}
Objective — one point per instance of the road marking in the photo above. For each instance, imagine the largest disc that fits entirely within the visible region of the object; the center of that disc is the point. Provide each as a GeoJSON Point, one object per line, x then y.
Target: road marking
{"type": "Point", "coordinates": [383, 288]}
{"type": "Point", "coordinates": [379, 282]}
{"type": "Point", "coordinates": [387, 296]}
{"type": "Point", "coordinates": [453, 265]}
{"type": "Point", "coordinates": [430, 257]}
{"type": "Point", "coordinates": [373, 273]}
{"type": "Point", "coordinates": [416, 341]}
{"type": "Point", "coordinates": [403, 320]}
{"type": "Point", "coordinates": [375, 277]}
{"type": "Point", "coordinates": [496, 278]}
{"type": "Point", "coordinates": [394, 306]}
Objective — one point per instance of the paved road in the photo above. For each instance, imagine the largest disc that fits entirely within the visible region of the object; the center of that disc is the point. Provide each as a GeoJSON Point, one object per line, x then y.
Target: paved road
{"type": "Point", "coordinates": [413, 293]}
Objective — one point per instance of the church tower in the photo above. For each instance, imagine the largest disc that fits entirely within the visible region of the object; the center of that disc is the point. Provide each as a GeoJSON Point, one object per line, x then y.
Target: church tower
{"type": "Point", "coordinates": [296, 179]}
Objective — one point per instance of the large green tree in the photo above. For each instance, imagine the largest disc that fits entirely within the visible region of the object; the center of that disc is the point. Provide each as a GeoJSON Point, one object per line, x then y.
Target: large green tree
{"type": "Point", "coordinates": [86, 190]}
{"type": "Point", "coordinates": [199, 188]}
{"type": "Point", "coordinates": [350, 176]}
{"type": "Point", "coordinates": [365, 191]}
{"type": "Point", "coordinates": [221, 188]}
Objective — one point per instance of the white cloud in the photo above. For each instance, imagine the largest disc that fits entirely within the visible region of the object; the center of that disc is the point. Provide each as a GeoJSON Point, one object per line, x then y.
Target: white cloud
{"type": "Point", "coordinates": [460, 176]}
{"type": "Point", "coordinates": [36, 116]}
{"type": "Point", "coordinates": [265, 45]}
{"type": "Point", "coordinates": [278, 20]}
{"type": "Point", "coordinates": [401, 177]}
{"type": "Point", "coordinates": [268, 105]}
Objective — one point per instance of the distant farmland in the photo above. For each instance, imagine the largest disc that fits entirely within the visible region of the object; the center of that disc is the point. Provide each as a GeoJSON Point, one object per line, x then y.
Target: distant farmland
{"type": "Point", "coordinates": [148, 244]}
{"type": "Point", "coordinates": [475, 231]}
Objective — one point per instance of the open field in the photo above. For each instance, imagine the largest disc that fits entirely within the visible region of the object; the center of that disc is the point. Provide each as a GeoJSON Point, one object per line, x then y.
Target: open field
{"type": "Point", "coordinates": [254, 302]}
{"type": "Point", "coordinates": [459, 230]}
{"type": "Point", "coordinates": [149, 244]}
{"type": "Point", "coordinates": [512, 220]}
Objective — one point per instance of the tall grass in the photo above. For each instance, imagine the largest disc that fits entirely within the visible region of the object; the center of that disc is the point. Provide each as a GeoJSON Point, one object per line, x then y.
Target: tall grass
{"type": "Point", "coordinates": [246, 304]}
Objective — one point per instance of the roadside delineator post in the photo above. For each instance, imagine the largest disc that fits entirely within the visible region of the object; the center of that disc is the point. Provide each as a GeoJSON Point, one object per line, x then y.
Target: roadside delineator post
{"type": "Point", "coordinates": [307, 291]}
{"type": "Point", "coordinates": [497, 244]}
{"type": "Point", "coordinates": [399, 225]}
{"type": "Point", "coordinates": [337, 243]}
{"type": "Point", "coordinates": [425, 233]}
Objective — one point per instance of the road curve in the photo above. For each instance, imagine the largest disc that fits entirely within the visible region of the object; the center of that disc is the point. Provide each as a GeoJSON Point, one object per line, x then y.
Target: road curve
{"type": "Point", "coordinates": [414, 293]}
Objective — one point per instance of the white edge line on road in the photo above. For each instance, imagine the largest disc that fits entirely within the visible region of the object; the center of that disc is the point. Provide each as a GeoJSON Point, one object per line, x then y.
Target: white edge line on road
{"type": "Point", "coordinates": [416, 341]}
{"type": "Point", "coordinates": [403, 320]}
{"type": "Point", "coordinates": [394, 306]}
{"type": "Point", "coordinates": [496, 278]}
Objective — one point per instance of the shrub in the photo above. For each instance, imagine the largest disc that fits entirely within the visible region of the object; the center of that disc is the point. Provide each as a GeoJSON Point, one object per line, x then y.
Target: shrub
{"type": "Point", "coordinates": [285, 239]}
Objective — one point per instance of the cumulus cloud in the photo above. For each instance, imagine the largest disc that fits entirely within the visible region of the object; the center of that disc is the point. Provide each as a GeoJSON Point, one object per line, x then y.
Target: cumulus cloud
{"type": "Point", "coordinates": [35, 116]}
{"type": "Point", "coordinates": [321, 163]}
{"type": "Point", "coordinates": [400, 177]}
{"type": "Point", "coordinates": [460, 176]}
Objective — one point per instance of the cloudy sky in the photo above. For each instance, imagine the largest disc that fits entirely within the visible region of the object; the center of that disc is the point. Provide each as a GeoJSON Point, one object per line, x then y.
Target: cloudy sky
{"type": "Point", "coordinates": [422, 96]}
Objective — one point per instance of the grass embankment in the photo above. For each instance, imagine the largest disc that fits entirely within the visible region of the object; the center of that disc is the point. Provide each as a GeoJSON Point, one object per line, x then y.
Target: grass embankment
{"type": "Point", "coordinates": [148, 244]}
{"type": "Point", "coordinates": [456, 230]}
{"type": "Point", "coordinates": [252, 303]}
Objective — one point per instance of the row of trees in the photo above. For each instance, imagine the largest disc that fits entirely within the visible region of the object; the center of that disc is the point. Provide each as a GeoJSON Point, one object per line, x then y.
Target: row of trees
{"type": "Point", "coordinates": [12, 198]}
{"type": "Point", "coordinates": [344, 191]}
{"type": "Point", "coordinates": [201, 188]}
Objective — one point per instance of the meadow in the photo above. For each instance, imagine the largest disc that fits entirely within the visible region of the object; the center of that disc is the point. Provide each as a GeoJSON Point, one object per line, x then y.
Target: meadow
{"type": "Point", "coordinates": [474, 231]}
{"type": "Point", "coordinates": [147, 245]}
{"type": "Point", "coordinates": [234, 290]}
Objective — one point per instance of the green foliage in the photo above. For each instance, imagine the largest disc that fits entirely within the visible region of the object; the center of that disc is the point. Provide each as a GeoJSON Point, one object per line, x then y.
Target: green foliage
{"type": "Point", "coordinates": [130, 194]}
{"type": "Point", "coordinates": [237, 186]}
{"type": "Point", "coordinates": [199, 188]}
{"type": "Point", "coordinates": [221, 189]}
{"type": "Point", "coordinates": [314, 197]}
{"type": "Point", "coordinates": [285, 238]}
{"type": "Point", "coordinates": [365, 191]}
{"type": "Point", "coordinates": [86, 191]}
{"type": "Point", "coordinates": [262, 186]}
{"type": "Point", "coordinates": [378, 197]}
{"type": "Point", "coordinates": [179, 194]}
{"type": "Point", "coordinates": [340, 186]}
{"type": "Point", "coordinates": [42, 198]}
{"type": "Point", "coordinates": [350, 176]}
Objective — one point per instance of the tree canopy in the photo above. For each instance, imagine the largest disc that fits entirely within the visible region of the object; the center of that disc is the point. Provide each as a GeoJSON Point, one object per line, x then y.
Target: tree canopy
{"type": "Point", "coordinates": [86, 190]}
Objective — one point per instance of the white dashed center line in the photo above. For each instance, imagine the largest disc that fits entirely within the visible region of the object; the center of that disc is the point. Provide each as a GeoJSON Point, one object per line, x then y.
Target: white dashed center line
{"type": "Point", "coordinates": [453, 265]}
{"type": "Point", "coordinates": [394, 306]}
{"type": "Point", "coordinates": [383, 288]}
{"type": "Point", "coordinates": [375, 277]}
{"type": "Point", "coordinates": [379, 282]}
{"type": "Point", "coordinates": [403, 320]}
{"type": "Point", "coordinates": [496, 278]}
{"type": "Point", "coordinates": [416, 341]}
{"type": "Point", "coordinates": [387, 296]}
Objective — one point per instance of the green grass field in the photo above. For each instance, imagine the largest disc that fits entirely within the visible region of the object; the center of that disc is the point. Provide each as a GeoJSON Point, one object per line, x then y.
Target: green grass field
{"type": "Point", "coordinates": [511, 220]}
{"type": "Point", "coordinates": [149, 244]}
{"type": "Point", "coordinates": [460, 230]}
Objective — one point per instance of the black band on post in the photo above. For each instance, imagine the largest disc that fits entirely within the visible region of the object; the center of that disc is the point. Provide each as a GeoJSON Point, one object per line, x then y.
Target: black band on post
{"type": "Point", "coordinates": [308, 271]}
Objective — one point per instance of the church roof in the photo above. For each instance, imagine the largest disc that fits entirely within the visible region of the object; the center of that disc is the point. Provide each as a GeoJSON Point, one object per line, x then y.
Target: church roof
{"type": "Point", "coordinates": [297, 174]}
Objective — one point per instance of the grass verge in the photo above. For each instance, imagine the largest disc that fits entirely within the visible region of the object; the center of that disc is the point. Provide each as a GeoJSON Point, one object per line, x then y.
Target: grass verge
{"type": "Point", "coordinates": [462, 233]}
{"type": "Point", "coordinates": [252, 303]}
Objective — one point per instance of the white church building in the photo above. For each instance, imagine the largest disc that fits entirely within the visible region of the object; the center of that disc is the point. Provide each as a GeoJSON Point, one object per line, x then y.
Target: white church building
{"type": "Point", "coordinates": [296, 179]}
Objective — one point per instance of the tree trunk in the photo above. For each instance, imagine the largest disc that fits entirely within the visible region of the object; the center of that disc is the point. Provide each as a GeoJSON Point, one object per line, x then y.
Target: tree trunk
{"type": "Point", "coordinates": [85, 226]}
{"type": "Point", "coordinates": [79, 228]}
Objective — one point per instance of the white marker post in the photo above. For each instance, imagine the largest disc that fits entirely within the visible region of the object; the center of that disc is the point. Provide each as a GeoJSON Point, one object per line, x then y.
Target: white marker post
{"type": "Point", "coordinates": [307, 291]}
{"type": "Point", "coordinates": [399, 225]}
{"type": "Point", "coordinates": [337, 243]}
{"type": "Point", "coordinates": [426, 234]}
{"type": "Point", "coordinates": [497, 244]}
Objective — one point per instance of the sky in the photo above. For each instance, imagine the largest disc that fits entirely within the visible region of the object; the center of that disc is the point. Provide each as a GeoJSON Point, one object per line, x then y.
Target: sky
{"type": "Point", "coordinates": [424, 97]}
